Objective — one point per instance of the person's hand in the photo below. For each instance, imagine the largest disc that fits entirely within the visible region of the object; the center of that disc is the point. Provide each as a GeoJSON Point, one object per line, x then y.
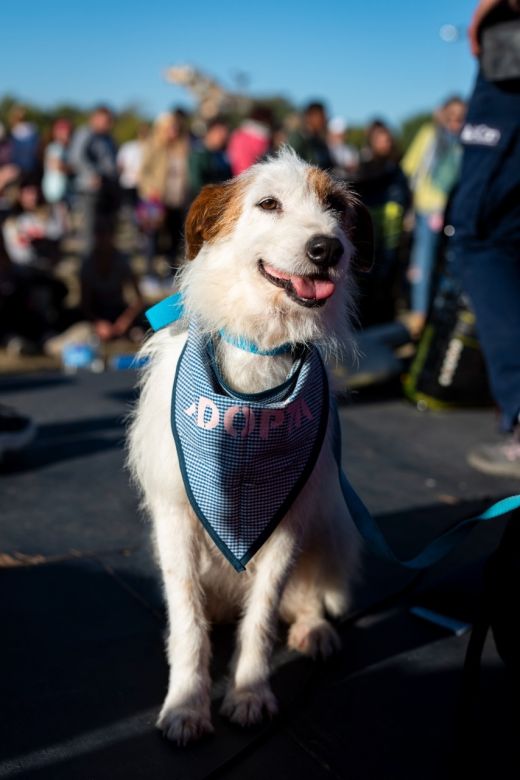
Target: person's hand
{"type": "Point", "coordinates": [54, 164]}
{"type": "Point", "coordinates": [104, 330]}
{"type": "Point", "coordinates": [34, 232]}
{"type": "Point", "coordinates": [121, 325]}
{"type": "Point", "coordinates": [436, 221]}
{"type": "Point", "coordinates": [8, 173]}
{"type": "Point", "coordinates": [23, 239]}
{"type": "Point", "coordinates": [482, 9]}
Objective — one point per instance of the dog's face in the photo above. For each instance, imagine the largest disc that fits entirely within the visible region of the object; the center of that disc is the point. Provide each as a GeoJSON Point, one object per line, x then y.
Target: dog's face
{"type": "Point", "coordinates": [271, 252]}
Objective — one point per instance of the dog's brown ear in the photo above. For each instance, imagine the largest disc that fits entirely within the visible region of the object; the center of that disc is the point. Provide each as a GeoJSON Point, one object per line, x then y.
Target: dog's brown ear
{"type": "Point", "coordinates": [361, 233]}
{"type": "Point", "coordinates": [213, 213]}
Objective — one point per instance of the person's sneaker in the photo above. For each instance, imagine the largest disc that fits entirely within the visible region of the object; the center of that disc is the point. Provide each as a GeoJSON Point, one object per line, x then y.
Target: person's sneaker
{"type": "Point", "coordinates": [16, 431]}
{"type": "Point", "coordinates": [501, 460]}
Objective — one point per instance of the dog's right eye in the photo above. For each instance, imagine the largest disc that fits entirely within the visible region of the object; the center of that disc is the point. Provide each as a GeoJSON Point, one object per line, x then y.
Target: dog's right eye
{"type": "Point", "coordinates": [270, 204]}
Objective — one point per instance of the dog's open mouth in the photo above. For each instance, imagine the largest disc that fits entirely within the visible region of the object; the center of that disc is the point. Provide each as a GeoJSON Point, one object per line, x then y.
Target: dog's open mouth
{"type": "Point", "coordinates": [312, 290]}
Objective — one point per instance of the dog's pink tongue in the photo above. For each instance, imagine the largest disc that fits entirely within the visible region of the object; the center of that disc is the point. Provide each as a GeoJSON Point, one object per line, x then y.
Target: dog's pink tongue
{"type": "Point", "coordinates": [312, 289]}
{"type": "Point", "coordinates": [304, 286]}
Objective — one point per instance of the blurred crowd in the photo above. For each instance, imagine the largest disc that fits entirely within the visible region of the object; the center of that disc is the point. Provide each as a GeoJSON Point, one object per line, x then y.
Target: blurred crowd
{"type": "Point", "coordinates": [75, 193]}
{"type": "Point", "coordinates": [92, 233]}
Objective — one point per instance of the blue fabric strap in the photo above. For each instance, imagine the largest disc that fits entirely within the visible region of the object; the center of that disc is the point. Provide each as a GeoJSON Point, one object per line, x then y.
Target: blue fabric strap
{"type": "Point", "coordinates": [165, 312]}
{"type": "Point", "coordinates": [373, 535]}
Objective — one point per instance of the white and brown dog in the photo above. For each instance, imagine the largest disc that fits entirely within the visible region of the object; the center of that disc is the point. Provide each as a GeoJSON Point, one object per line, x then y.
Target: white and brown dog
{"type": "Point", "coordinates": [270, 254]}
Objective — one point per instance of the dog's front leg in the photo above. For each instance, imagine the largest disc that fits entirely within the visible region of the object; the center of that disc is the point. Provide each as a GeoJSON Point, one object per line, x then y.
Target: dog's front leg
{"type": "Point", "coordinates": [185, 714]}
{"type": "Point", "coordinates": [249, 696]}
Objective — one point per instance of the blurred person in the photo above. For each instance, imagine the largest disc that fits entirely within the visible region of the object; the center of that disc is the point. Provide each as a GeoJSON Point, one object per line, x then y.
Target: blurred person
{"type": "Point", "coordinates": [16, 430]}
{"type": "Point", "coordinates": [55, 182]}
{"type": "Point", "coordinates": [344, 156]}
{"type": "Point", "coordinates": [31, 305]}
{"type": "Point", "coordinates": [110, 295]}
{"type": "Point", "coordinates": [432, 165]}
{"type": "Point", "coordinates": [485, 217]}
{"type": "Point", "coordinates": [9, 173]}
{"type": "Point", "coordinates": [310, 141]}
{"type": "Point", "coordinates": [129, 160]}
{"type": "Point", "coordinates": [279, 136]}
{"type": "Point", "coordinates": [163, 182]}
{"type": "Point", "coordinates": [208, 162]}
{"type": "Point", "coordinates": [182, 121]}
{"type": "Point", "coordinates": [93, 160]}
{"type": "Point", "coordinates": [32, 232]}
{"type": "Point", "coordinates": [251, 140]}
{"type": "Point", "coordinates": [383, 188]}
{"type": "Point", "coordinates": [26, 142]}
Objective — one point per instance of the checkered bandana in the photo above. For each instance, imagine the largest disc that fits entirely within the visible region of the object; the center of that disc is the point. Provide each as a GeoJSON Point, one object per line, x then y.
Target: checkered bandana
{"type": "Point", "coordinates": [245, 458]}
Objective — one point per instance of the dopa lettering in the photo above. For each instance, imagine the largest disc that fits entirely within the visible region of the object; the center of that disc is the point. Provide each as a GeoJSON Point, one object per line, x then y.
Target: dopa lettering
{"type": "Point", "coordinates": [241, 421]}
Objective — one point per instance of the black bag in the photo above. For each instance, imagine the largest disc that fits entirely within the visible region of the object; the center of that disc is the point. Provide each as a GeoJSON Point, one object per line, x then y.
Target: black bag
{"type": "Point", "coordinates": [448, 369]}
{"type": "Point", "coordinates": [498, 611]}
{"type": "Point", "coordinates": [500, 59]}
{"type": "Point", "coordinates": [503, 596]}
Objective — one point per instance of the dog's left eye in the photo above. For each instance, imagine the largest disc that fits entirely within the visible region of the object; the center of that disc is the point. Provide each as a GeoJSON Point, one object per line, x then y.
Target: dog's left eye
{"type": "Point", "coordinates": [270, 204]}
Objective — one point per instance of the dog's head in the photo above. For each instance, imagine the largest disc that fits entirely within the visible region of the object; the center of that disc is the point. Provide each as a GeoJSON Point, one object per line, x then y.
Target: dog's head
{"type": "Point", "coordinates": [270, 253]}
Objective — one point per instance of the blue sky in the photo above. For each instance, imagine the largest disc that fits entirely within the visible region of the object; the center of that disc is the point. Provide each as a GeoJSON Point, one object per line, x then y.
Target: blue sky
{"type": "Point", "coordinates": [365, 58]}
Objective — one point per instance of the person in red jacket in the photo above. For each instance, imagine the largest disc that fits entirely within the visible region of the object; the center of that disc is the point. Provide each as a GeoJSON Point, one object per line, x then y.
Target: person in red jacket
{"type": "Point", "coordinates": [251, 141]}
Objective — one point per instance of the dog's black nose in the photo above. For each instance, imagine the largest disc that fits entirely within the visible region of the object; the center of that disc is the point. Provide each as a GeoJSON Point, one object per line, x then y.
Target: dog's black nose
{"type": "Point", "coordinates": [324, 251]}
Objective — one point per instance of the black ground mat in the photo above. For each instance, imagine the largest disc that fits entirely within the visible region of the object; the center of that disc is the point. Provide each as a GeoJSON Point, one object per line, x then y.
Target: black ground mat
{"type": "Point", "coordinates": [82, 665]}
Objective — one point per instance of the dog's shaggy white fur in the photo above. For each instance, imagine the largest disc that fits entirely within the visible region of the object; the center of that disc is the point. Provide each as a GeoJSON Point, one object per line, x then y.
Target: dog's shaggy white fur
{"type": "Point", "coordinates": [247, 242]}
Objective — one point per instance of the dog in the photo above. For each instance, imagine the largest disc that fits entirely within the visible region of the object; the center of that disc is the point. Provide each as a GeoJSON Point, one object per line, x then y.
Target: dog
{"type": "Point", "coordinates": [269, 257]}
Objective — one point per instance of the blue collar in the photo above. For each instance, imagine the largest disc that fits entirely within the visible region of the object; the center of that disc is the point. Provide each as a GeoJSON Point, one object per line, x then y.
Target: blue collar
{"type": "Point", "coordinates": [250, 346]}
{"type": "Point", "coordinates": [171, 310]}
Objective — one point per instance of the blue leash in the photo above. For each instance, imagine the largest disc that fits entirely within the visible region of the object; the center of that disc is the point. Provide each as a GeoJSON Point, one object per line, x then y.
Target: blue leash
{"type": "Point", "coordinates": [373, 535]}
{"type": "Point", "coordinates": [171, 309]}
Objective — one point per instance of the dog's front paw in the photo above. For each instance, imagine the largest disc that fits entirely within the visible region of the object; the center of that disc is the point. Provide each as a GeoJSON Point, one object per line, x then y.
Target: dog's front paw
{"type": "Point", "coordinates": [314, 639]}
{"type": "Point", "coordinates": [248, 706]}
{"type": "Point", "coordinates": [183, 724]}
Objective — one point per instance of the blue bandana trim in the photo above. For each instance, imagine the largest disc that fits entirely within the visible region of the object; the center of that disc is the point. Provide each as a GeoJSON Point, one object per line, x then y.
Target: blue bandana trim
{"type": "Point", "coordinates": [244, 458]}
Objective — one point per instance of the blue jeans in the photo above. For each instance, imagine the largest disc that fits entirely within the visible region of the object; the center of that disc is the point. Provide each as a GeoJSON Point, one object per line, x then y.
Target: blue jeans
{"type": "Point", "coordinates": [485, 213]}
{"type": "Point", "coordinates": [422, 262]}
